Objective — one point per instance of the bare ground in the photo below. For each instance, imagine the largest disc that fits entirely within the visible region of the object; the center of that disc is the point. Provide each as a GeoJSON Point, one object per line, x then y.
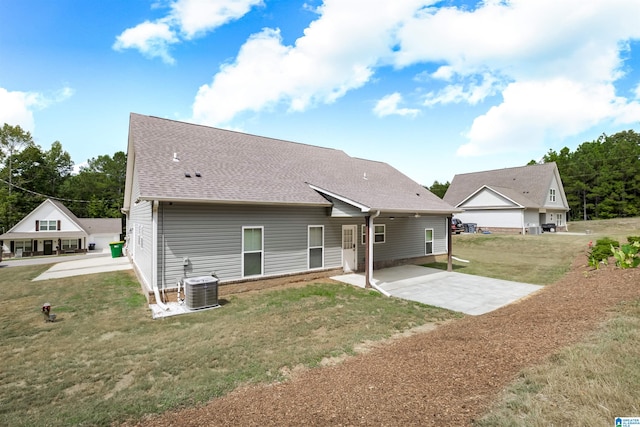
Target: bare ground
{"type": "Point", "coordinates": [447, 376]}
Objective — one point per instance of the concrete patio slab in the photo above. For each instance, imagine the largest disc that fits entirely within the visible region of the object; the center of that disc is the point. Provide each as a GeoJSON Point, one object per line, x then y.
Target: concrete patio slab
{"type": "Point", "coordinates": [465, 293]}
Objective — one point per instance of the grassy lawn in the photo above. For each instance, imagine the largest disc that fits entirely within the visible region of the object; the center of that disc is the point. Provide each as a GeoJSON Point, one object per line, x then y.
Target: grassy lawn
{"type": "Point", "coordinates": [588, 384]}
{"type": "Point", "coordinates": [538, 259]}
{"type": "Point", "coordinates": [105, 360]}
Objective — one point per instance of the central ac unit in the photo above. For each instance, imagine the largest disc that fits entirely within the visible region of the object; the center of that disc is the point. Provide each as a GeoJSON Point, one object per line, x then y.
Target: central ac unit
{"type": "Point", "coordinates": [201, 292]}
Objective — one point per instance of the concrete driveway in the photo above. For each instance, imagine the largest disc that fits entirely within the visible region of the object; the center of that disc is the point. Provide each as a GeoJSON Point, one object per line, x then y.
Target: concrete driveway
{"type": "Point", "coordinates": [455, 291]}
{"type": "Point", "coordinates": [90, 264]}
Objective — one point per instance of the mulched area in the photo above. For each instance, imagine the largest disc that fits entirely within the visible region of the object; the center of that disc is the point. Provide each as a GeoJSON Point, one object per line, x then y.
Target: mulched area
{"type": "Point", "coordinates": [448, 376]}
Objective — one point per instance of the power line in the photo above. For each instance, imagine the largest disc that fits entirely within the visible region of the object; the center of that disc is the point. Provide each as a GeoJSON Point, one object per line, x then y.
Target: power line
{"type": "Point", "coordinates": [50, 197]}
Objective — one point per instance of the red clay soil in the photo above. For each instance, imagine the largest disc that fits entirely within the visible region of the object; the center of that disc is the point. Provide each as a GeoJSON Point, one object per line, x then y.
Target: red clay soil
{"type": "Point", "coordinates": [448, 376]}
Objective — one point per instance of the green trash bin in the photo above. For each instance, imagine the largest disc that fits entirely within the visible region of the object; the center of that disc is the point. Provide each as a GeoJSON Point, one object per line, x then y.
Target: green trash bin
{"type": "Point", "coordinates": [116, 249]}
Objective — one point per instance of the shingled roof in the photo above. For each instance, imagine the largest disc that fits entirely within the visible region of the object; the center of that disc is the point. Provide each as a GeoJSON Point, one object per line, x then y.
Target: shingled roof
{"type": "Point", "coordinates": [526, 185]}
{"type": "Point", "coordinates": [174, 161]}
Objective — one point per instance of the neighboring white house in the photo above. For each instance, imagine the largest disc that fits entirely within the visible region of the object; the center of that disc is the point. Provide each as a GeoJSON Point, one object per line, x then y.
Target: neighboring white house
{"type": "Point", "coordinates": [52, 228]}
{"type": "Point", "coordinates": [511, 199]}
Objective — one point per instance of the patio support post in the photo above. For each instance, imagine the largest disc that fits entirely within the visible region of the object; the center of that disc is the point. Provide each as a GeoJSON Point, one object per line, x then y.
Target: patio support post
{"type": "Point", "coordinates": [449, 249]}
{"type": "Point", "coordinates": [367, 273]}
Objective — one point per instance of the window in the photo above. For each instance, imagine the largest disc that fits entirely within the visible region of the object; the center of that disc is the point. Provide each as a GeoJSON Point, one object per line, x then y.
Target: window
{"type": "Point", "coordinates": [552, 195]}
{"type": "Point", "coordinates": [379, 232]}
{"type": "Point", "coordinates": [47, 225]}
{"type": "Point", "coordinates": [316, 246]}
{"type": "Point", "coordinates": [25, 245]}
{"type": "Point", "coordinates": [428, 241]}
{"type": "Point", "coordinates": [252, 251]}
{"type": "Point", "coordinates": [69, 244]}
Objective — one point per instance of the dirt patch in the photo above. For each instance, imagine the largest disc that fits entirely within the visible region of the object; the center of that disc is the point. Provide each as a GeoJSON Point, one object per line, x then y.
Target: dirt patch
{"type": "Point", "coordinates": [447, 376]}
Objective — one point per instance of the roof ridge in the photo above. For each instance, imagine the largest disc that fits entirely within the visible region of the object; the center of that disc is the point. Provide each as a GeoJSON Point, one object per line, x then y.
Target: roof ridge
{"type": "Point", "coordinates": [506, 169]}
{"type": "Point", "coordinates": [241, 133]}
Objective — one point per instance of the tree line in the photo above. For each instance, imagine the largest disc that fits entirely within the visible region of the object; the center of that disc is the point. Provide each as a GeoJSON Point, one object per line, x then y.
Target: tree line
{"type": "Point", "coordinates": [601, 178]}
{"type": "Point", "coordinates": [29, 174]}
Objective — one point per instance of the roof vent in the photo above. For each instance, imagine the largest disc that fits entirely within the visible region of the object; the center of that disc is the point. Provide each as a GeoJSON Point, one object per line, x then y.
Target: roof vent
{"type": "Point", "coordinates": [198, 174]}
{"type": "Point", "coordinates": [175, 157]}
{"type": "Point", "coordinates": [187, 175]}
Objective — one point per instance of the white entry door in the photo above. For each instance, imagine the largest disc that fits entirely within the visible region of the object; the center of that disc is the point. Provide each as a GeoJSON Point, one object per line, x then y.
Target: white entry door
{"type": "Point", "coordinates": [349, 248]}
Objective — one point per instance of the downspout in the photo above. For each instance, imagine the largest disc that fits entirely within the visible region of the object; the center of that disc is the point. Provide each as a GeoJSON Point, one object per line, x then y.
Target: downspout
{"type": "Point", "coordinates": [154, 255]}
{"type": "Point", "coordinates": [369, 257]}
{"type": "Point", "coordinates": [449, 248]}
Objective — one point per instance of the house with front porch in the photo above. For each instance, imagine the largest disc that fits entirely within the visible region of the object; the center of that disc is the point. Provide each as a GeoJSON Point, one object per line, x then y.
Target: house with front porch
{"type": "Point", "coordinates": [52, 229]}
{"type": "Point", "coordinates": [202, 201]}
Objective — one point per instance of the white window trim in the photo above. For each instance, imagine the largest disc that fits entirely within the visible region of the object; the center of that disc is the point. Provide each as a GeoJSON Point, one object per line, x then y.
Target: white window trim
{"type": "Point", "coordinates": [309, 247]}
{"type": "Point", "coordinates": [384, 234]}
{"type": "Point", "coordinates": [261, 251]}
{"type": "Point", "coordinates": [552, 194]}
{"type": "Point", "coordinates": [15, 245]}
{"type": "Point", "coordinates": [73, 244]}
{"type": "Point", "coordinates": [48, 221]}
{"type": "Point", "coordinates": [427, 241]}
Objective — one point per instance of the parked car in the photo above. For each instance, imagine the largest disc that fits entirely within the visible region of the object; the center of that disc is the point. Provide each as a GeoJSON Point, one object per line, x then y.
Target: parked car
{"type": "Point", "coordinates": [550, 227]}
{"type": "Point", "coordinates": [456, 226]}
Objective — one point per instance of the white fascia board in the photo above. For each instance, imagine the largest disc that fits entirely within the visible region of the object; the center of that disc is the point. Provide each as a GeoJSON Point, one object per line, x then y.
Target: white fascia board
{"type": "Point", "coordinates": [492, 190]}
{"type": "Point", "coordinates": [360, 206]}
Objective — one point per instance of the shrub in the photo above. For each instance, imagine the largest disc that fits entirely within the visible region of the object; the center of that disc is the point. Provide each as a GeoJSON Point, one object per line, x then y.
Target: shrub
{"type": "Point", "coordinates": [601, 251]}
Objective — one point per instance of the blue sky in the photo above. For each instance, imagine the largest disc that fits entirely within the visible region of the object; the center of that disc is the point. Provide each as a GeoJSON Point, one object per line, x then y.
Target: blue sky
{"type": "Point", "coordinates": [433, 88]}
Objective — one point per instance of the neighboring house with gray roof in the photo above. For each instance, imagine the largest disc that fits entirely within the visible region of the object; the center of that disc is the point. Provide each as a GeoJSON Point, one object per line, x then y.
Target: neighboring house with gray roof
{"type": "Point", "coordinates": [200, 200]}
{"type": "Point", "coordinates": [510, 199]}
{"type": "Point", "coordinates": [52, 228]}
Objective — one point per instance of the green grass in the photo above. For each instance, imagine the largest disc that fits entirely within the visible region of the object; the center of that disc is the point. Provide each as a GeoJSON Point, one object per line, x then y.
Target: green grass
{"type": "Point", "coordinates": [588, 384]}
{"type": "Point", "coordinates": [105, 360]}
{"type": "Point", "coordinates": [538, 259]}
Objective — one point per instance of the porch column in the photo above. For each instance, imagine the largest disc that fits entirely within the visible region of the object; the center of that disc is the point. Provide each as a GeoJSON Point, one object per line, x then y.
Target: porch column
{"type": "Point", "coordinates": [449, 248]}
{"type": "Point", "coordinates": [367, 253]}
{"type": "Point", "coordinates": [368, 257]}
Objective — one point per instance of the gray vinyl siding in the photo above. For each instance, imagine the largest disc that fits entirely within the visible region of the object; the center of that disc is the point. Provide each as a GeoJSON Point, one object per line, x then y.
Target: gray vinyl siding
{"type": "Point", "coordinates": [210, 236]}
{"type": "Point", "coordinates": [404, 238]}
{"type": "Point", "coordinates": [140, 234]}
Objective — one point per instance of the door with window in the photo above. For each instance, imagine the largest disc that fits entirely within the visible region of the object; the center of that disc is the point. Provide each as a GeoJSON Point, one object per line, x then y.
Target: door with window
{"type": "Point", "coordinates": [48, 247]}
{"type": "Point", "coordinates": [349, 248]}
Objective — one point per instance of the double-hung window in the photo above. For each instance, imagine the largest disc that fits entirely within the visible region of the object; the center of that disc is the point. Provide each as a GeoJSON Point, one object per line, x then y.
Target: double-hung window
{"type": "Point", "coordinates": [316, 246]}
{"type": "Point", "coordinates": [69, 244]}
{"type": "Point", "coordinates": [552, 195]}
{"type": "Point", "coordinates": [252, 251]}
{"type": "Point", "coordinates": [47, 225]}
{"type": "Point", "coordinates": [25, 245]}
{"type": "Point", "coordinates": [428, 241]}
{"type": "Point", "coordinates": [379, 233]}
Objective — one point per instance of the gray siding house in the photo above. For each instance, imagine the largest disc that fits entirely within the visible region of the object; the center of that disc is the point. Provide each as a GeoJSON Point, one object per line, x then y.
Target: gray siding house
{"type": "Point", "coordinates": [510, 199]}
{"type": "Point", "coordinates": [201, 200]}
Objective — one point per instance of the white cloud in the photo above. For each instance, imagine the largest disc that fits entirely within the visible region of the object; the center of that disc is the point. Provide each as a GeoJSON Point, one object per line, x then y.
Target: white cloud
{"type": "Point", "coordinates": [533, 110]}
{"type": "Point", "coordinates": [152, 39]}
{"type": "Point", "coordinates": [338, 52]}
{"type": "Point", "coordinates": [186, 20]}
{"type": "Point", "coordinates": [195, 17]}
{"type": "Point", "coordinates": [557, 62]}
{"type": "Point", "coordinates": [388, 106]}
{"type": "Point", "coordinates": [457, 93]}
{"type": "Point", "coordinates": [16, 108]}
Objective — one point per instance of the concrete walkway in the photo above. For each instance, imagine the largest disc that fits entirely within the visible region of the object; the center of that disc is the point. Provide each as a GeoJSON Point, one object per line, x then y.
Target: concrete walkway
{"type": "Point", "coordinates": [88, 265]}
{"type": "Point", "coordinates": [454, 291]}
